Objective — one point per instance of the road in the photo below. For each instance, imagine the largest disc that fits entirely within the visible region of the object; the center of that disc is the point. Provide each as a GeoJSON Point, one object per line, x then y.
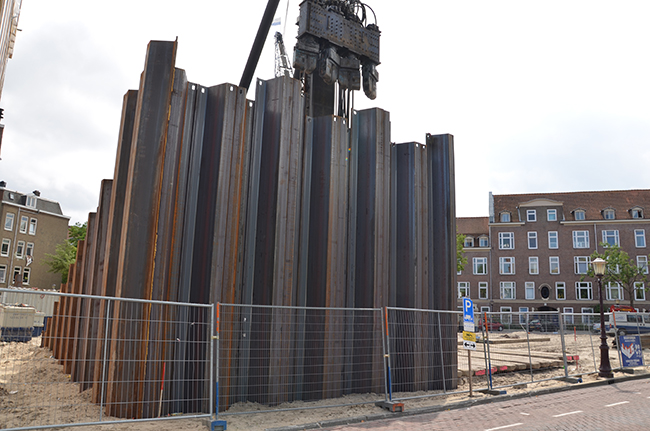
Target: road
{"type": "Point", "coordinates": [619, 406]}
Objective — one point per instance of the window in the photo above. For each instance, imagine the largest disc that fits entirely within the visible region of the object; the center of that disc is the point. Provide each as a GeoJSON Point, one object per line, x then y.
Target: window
{"type": "Point", "coordinates": [532, 240]}
{"type": "Point", "coordinates": [523, 315]}
{"type": "Point", "coordinates": [506, 317]}
{"type": "Point", "coordinates": [579, 214]}
{"type": "Point", "coordinates": [610, 237]}
{"type": "Point", "coordinates": [504, 217]}
{"type": "Point", "coordinates": [32, 226]}
{"type": "Point", "coordinates": [551, 215]}
{"type": "Point", "coordinates": [3, 273]}
{"type": "Point", "coordinates": [26, 273]}
{"type": "Point", "coordinates": [29, 249]}
{"type": "Point", "coordinates": [581, 264]}
{"type": "Point", "coordinates": [580, 239]}
{"type": "Point", "coordinates": [636, 213]}
{"type": "Point", "coordinates": [6, 244]}
{"type": "Point", "coordinates": [506, 265]}
{"type": "Point", "coordinates": [482, 290]}
{"type": "Point", "coordinates": [560, 291]}
{"type": "Point", "coordinates": [483, 241]}
{"type": "Point", "coordinates": [583, 290]}
{"type": "Point", "coordinates": [16, 278]}
{"type": "Point", "coordinates": [531, 215]}
{"type": "Point", "coordinates": [530, 290]}
{"type": "Point", "coordinates": [614, 292]}
{"type": "Point", "coordinates": [552, 239]}
{"type": "Point", "coordinates": [31, 201]}
{"type": "Point", "coordinates": [485, 308]}
{"type": "Point", "coordinates": [533, 265]}
{"type": "Point", "coordinates": [469, 242]}
{"type": "Point", "coordinates": [508, 290]}
{"type": "Point", "coordinates": [545, 292]}
{"type": "Point", "coordinates": [9, 221]}
{"type": "Point", "coordinates": [554, 264]}
{"type": "Point", "coordinates": [480, 265]}
{"type": "Point", "coordinates": [639, 291]}
{"type": "Point", "coordinates": [639, 238]}
{"type": "Point", "coordinates": [20, 249]}
{"type": "Point", "coordinates": [587, 315]}
{"type": "Point", "coordinates": [568, 315]}
{"type": "Point", "coordinates": [642, 262]}
{"type": "Point", "coordinates": [23, 224]}
{"type": "Point", "coordinates": [463, 289]}
{"type": "Point", "coordinates": [506, 240]}
{"type": "Point", "coordinates": [609, 214]}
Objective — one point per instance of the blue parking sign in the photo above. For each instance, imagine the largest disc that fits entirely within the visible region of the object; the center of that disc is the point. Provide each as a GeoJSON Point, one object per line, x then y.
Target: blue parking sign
{"type": "Point", "coordinates": [468, 315]}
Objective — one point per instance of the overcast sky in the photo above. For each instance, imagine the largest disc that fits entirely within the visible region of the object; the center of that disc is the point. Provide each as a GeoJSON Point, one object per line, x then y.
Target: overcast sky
{"type": "Point", "coordinates": [540, 96]}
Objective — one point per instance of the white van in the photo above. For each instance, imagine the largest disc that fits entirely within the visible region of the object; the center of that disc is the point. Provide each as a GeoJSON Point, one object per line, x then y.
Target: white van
{"type": "Point", "coordinates": [624, 322]}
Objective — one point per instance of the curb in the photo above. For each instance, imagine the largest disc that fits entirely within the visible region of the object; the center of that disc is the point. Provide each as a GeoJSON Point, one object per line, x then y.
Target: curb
{"type": "Point", "coordinates": [458, 405]}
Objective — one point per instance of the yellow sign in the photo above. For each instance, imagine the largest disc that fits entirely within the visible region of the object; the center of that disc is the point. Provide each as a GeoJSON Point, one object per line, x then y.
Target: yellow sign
{"type": "Point", "coordinates": [469, 336]}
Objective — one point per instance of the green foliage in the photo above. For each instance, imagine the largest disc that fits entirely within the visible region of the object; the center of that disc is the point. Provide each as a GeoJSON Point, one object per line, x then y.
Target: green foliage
{"type": "Point", "coordinates": [461, 260]}
{"type": "Point", "coordinates": [620, 269]}
{"type": "Point", "coordinates": [65, 253]}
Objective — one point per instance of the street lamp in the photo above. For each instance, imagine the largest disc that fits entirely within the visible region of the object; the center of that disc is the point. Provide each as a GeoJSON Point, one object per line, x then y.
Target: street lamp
{"type": "Point", "coordinates": [605, 369]}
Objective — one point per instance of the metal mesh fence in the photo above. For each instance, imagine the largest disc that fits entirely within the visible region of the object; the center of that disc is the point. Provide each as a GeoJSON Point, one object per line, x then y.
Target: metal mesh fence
{"type": "Point", "coordinates": [98, 359]}
{"type": "Point", "coordinates": [277, 355]}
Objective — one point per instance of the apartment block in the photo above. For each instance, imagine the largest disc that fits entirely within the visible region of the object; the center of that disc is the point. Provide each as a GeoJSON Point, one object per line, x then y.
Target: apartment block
{"type": "Point", "coordinates": [532, 252]}
{"type": "Point", "coordinates": [32, 226]}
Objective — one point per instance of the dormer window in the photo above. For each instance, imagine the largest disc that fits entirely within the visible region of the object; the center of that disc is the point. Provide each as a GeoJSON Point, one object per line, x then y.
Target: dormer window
{"type": "Point", "coordinates": [579, 214]}
{"type": "Point", "coordinates": [483, 241]}
{"type": "Point", "coordinates": [609, 214]}
{"type": "Point", "coordinates": [469, 241]}
{"type": "Point", "coordinates": [504, 217]}
{"type": "Point", "coordinates": [636, 212]}
{"type": "Point", "coordinates": [31, 201]}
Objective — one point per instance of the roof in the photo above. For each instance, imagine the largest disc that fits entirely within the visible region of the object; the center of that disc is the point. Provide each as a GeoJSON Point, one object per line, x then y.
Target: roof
{"type": "Point", "coordinates": [591, 202]}
{"type": "Point", "coordinates": [473, 226]}
{"type": "Point", "coordinates": [42, 204]}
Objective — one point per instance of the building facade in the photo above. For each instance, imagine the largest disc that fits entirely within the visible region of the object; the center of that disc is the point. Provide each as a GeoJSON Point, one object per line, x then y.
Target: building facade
{"type": "Point", "coordinates": [31, 228]}
{"type": "Point", "coordinates": [534, 250]}
{"type": "Point", "coordinates": [9, 15]}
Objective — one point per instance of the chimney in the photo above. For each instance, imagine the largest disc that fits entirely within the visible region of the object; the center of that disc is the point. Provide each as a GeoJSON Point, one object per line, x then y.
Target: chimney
{"type": "Point", "coordinates": [36, 193]}
{"type": "Point", "coordinates": [3, 184]}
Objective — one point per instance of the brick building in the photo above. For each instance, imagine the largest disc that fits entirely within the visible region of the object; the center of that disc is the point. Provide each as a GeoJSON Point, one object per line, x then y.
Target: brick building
{"type": "Point", "coordinates": [533, 249]}
{"type": "Point", "coordinates": [31, 228]}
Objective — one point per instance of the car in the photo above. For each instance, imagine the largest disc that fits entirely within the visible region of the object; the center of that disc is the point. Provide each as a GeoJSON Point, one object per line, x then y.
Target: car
{"type": "Point", "coordinates": [491, 326]}
{"type": "Point", "coordinates": [542, 326]}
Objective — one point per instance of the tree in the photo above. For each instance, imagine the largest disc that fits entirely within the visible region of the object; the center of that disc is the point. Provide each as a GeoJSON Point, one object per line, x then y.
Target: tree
{"type": "Point", "coordinates": [620, 269]}
{"type": "Point", "coordinates": [65, 253]}
{"type": "Point", "coordinates": [461, 260]}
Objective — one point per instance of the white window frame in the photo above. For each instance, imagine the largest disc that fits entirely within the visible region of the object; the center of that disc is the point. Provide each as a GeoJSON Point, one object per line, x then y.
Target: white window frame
{"type": "Point", "coordinates": [636, 213]}
{"type": "Point", "coordinates": [29, 249]}
{"type": "Point", "coordinates": [508, 290]}
{"type": "Point", "coordinates": [506, 240]}
{"type": "Point", "coordinates": [553, 261]}
{"type": "Point", "coordinates": [579, 215]}
{"type": "Point", "coordinates": [3, 274]}
{"type": "Point", "coordinates": [642, 262]}
{"type": "Point", "coordinates": [31, 201]}
{"type": "Point", "coordinates": [551, 215]}
{"type": "Point", "coordinates": [506, 316]}
{"type": "Point", "coordinates": [17, 271]}
{"type": "Point", "coordinates": [469, 242]}
{"type": "Point", "coordinates": [580, 239]}
{"type": "Point", "coordinates": [588, 318]}
{"type": "Point", "coordinates": [523, 315]}
{"type": "Point", "coordinates": [639, 291]}
{"type": "Point", "coordinates": [552, 235]}
{"type": "Point", "coordinates": [482, 290]}
{"type": "Point", "coordinates": [20, 249]}
{"type": "Point", "coordinates": [506, 263]}
{"type": "Point", "coordinates": [560, 286]}
{"type": "Point", "coordinates": [639, 238]}
{"type": "Point", "coordinates": [483, 241]}
{"type": "Point", "coordinates": [586, 286]}
{"type": "Point", "coordinates": [463, 289]}
{"type": "Point", "coordinates": [614, 292]}
{"type": "Point", "coordinates": [9, 221]}
{"type": "Point", "coordinates": [529, 290]}
{"type": "Point", "coordinates": [607, 233]}
{"type": "Point", "coordinates": [5, 248]}
{"type": "Point", "coordinates": [568, 315]}
{"type": "Point", "coordinates": [479, 263]}
{"type": "Point", "coordinates": [32, 226]}
{"type": "Point", "coordinates": [531, 215]}
{"type": "Point", "coordinates": [485, 308]}
{"type": "Point", "coordinates": [532, 240]}
{"type": "Point", "coordinates": [504, 217]}
{"type": "Point", "coordinates": [533, 265]}
{"type": "Point", "coordinates": [27, 272]}
{"type": "Point", "coordinates": [581, 261]}
{"type": "Point", "coordinates": [24, 222]}
{"type": "Point", "coordinates": [609, 214]}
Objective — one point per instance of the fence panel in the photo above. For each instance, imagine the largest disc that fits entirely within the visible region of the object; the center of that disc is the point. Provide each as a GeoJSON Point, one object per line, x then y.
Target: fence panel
{"type": "Point", "coordinates": [84, 367]}
{"type": "Point", "coordinates": [273, 356]}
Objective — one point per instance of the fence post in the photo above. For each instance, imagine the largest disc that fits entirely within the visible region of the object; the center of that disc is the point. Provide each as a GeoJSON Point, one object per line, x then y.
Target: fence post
{"type": "Point", "coordinates": [560, 317]}
{"type": "Point", "coordinates": [388, 383]}
{"type": "Point", "coordinates": [216, 327]}
{"type": "Point", "coordinates": [101, 400]}
{"type": "Point", "coordinates": [442, 355]}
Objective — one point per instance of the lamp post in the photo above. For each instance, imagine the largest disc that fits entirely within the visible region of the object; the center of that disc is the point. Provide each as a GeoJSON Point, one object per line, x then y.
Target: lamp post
{"type": "Point", "coordinates": [605, 369]}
